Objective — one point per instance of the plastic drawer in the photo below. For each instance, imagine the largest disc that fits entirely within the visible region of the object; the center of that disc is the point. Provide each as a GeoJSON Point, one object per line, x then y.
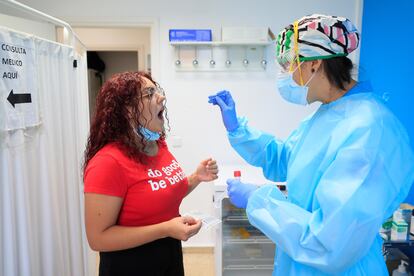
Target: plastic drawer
{"type": "Point", "coordinates": [247, 252]}
{"type": "Point", "coordinates": [256, 267]}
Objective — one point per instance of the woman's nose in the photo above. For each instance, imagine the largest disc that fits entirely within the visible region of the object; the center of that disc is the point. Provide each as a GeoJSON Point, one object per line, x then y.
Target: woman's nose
{"type": "Point", "coordinates": [160, 98]}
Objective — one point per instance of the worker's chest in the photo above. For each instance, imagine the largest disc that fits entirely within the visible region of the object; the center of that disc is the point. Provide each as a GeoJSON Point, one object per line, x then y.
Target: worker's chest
{"type": "Point", "coordinates": [310, 159]}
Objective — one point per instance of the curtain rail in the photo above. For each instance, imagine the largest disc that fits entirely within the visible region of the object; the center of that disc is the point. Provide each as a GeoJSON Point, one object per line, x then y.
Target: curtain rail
{"type": "Point", "coordinates": [45, 17]}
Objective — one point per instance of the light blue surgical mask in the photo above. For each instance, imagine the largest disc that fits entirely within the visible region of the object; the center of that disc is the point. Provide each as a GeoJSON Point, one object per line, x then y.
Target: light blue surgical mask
{"type": "Point", "coordinates": [290, 90]}
{"type": "Point", "coordinates": [148, 134]}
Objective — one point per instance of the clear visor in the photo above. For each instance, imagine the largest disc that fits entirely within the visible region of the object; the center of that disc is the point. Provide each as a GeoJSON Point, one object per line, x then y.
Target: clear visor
{"type": "Point", "coordinates": [289, 64]}
{"type": "Point", "coordinates": [288, 61]}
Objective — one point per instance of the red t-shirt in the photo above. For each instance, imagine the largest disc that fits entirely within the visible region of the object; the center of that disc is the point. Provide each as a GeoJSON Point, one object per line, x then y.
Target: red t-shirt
{"type": "Point", "coordinates": [152, 193]}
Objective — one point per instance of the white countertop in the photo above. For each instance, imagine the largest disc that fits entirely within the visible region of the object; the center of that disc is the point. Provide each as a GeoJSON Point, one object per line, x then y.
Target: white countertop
{"type": "Point", "coordinates": [249, 174]}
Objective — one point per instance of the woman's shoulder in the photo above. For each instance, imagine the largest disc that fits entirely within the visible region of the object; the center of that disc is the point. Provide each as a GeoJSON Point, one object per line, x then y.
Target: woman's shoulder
{"type": "Point", "coordinates": [113, 152]}
{"type": "Point", "coordinates": [112, 149]}
{"type": "Point", "coordinates": [371, 113]}
{"type": "Point", "coordinates": [110, 153]}
{"type": "Point", "coordinates": [366, 107]}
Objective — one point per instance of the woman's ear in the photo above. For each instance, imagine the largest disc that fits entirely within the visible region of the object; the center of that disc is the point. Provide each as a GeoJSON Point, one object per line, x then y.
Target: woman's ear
{"type": "Point", "coordinates": [315, 65]}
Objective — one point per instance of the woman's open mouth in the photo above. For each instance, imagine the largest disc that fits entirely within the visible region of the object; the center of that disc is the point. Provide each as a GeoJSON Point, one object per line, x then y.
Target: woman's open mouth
{"type": "Point", "coordinates": [161, 114]}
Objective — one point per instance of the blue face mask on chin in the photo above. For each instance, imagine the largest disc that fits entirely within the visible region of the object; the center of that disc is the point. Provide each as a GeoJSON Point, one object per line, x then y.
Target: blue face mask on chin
{"type": "Point", "coordinates": [291, 91]}
{"type": "Point", "coordinates": [148, 134]}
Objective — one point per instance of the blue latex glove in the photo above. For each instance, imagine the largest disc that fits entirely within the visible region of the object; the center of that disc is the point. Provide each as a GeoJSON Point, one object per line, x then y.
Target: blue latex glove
{"type": "Point", "coordinates": [228, 109]}
{"type": "Point", "coordinates": [239, 192]}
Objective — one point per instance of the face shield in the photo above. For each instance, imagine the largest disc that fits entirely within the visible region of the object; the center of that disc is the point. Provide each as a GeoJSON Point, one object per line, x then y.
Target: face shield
{"type": "Point", "coordinates": [289, 60]}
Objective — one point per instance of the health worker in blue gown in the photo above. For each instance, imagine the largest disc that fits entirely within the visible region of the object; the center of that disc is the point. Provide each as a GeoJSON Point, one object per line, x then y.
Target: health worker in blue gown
{"type": "Point", "coordinates": [347, 167]}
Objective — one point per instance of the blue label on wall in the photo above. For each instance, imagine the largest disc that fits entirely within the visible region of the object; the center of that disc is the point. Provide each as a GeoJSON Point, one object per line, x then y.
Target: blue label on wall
{"type": "Point", "coordinates": [190, 35]}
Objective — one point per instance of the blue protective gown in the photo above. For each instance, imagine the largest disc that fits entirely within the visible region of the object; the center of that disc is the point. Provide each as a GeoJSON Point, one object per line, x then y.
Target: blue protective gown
{"type": "Point", "coordinates": [347, 168]}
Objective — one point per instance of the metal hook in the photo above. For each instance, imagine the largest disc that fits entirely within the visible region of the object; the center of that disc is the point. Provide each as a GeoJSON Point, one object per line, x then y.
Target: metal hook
{"type": "Point", "coordinates": [228, 61]}
{"type": "Point", "coordinates": [195, 61]}
{"type": "Point", "coordinates": [178, 53]}
{"type": "Point", "coordinates": [212, 62]}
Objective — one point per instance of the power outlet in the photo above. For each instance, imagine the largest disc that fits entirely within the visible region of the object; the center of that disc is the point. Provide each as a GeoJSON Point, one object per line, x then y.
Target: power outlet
{"type": "Point", "coordinates": [176, 141]}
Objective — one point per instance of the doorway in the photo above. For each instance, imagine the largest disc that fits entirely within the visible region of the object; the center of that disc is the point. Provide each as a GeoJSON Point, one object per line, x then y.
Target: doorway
{"type": "Point", "coordinates": [102, 65]}
{"type": "Point", "coordinates": [113, 50]}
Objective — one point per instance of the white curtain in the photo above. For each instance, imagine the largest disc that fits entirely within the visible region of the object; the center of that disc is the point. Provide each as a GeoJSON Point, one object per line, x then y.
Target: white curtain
{"type": "Point", "coordinates": [41, 192]}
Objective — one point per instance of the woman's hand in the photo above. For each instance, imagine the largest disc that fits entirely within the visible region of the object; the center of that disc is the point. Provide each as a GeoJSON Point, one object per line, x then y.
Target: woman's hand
{"type": "Point", "coordinates": [206, 171]}
{"type": "Point", "coordinates": [182, 228]}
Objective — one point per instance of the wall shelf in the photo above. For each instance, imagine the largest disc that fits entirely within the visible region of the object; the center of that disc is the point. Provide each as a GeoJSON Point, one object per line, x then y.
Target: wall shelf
{"type": "Point", "coordinates": [220, 43]}
{"type": "Point", "coordinates": [221, 56]}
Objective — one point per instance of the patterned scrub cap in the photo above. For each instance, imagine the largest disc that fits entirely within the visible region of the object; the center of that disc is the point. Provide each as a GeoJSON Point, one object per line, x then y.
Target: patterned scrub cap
{"type": "Point", "coordinates": [316, 36]}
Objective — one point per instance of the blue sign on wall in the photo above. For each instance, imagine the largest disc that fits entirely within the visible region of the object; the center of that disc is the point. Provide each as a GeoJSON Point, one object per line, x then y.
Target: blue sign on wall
{"type": "Point", "coordinates": [190, 35]}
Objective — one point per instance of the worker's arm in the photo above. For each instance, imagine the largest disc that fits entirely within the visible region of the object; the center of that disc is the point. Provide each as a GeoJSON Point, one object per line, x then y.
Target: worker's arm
{"type": "Point", "coordinates": [355, 194]}
{"type": "Point", "coordinates": [101, 214]}
{"type": "Point", "coordinates": [257, 148]}
{"type": "Point", "coordinates": [263, 150]}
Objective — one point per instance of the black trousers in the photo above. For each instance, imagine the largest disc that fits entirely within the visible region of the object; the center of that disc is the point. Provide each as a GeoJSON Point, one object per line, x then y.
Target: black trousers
{"type": "Point", "coordinates": [163, 257]}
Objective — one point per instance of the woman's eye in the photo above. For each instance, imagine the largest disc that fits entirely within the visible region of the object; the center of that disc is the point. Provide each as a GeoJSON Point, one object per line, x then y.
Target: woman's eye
{"type": "Point", "coordinates": [151, 91]}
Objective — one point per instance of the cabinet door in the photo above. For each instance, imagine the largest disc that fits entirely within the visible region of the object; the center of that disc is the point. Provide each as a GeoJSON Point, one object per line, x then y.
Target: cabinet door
{"type": "Point", "coordinates": [245, 249]}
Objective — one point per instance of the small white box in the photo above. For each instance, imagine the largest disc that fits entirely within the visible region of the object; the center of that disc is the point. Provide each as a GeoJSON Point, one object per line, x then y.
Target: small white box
{"type": "Point", "coordinates": [399, 230]}
{"type": "Point", "coordinates": [250, 34]}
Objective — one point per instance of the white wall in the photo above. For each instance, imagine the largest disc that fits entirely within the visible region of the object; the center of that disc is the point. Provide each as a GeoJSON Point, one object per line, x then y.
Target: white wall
{"type": "Point", "coordinates": [192, 118]}
{"type": "Point", "coordinates": [114, 38]}
{"type": "Point", "coordinates": [117, 39]}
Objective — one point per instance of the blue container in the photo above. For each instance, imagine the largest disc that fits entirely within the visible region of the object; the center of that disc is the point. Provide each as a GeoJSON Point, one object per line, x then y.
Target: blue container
{"type": "Point", "coordinates": [190, 35]}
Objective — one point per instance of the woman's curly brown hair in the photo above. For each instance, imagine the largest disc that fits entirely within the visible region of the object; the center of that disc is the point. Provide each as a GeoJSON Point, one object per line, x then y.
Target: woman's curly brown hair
{"type": "Point", "coordinates": [119, 101]}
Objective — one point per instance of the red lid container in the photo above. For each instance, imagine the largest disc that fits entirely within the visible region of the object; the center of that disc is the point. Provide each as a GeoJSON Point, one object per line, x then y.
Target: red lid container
{"type": "Point", "coordinates": [237, 173]}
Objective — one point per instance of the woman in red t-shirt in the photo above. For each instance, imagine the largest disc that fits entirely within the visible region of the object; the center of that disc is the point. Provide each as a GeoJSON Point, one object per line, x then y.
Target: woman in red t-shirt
{"type": "Point", "coordinates": [133, 184]}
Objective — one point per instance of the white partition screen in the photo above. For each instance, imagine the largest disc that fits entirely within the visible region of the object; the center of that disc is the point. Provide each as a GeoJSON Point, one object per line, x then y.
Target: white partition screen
{"type": "Point", "coordinates": [43, 130]}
